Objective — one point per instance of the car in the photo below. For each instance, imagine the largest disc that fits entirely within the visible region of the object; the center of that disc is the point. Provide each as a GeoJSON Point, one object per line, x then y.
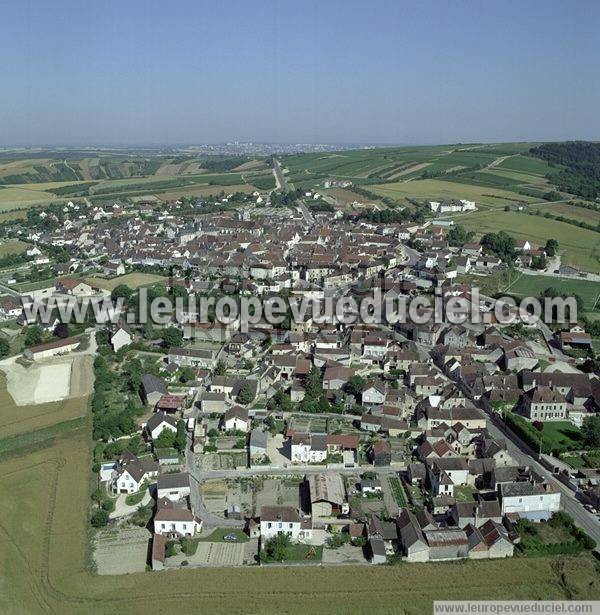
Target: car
{"type": "Point", "coordinates": [590, 508]}
{"type": "Point", "coordinates": [230, 538]}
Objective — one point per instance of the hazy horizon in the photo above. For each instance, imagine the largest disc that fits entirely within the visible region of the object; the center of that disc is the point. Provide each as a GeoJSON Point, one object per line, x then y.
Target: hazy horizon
{"type": "Point", "coordinates": [146, 74]}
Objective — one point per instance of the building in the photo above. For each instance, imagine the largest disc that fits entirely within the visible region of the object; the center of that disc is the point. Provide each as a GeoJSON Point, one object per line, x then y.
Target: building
{"type": "Point", "coordinates": [174, 521]}
{"type": "Point", "coordinates": [130, 473]}
{"type": "Point", "coordinates": [173, 486]}
{"type": "Point", "coordinates": [158, 422]}
{"type": "Point", "coordinates": [327, 495]}
{"type": "Point", "coordinates": [120, 337]}
{"type": "Point", "coordinates": [284, 520]}
{"type": "Point", "coordinates": [51, 349]}
{"type": "Point", "coordinates": [152, 389]}
{"type": "Point", "coordinates": [235, 419]}
{"type": "Point", "coordinates": [380, 453]}
{"type": "Point", "coordinates": [535, 501]}
{"type": "Point", "coordinates": [544, 404]}
{"type": "Point", "coordinates": [308, 448]}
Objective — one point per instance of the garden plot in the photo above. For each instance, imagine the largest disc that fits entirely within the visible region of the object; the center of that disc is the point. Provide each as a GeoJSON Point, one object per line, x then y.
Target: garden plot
{"type": "Point", "coordinates": [121, 551]}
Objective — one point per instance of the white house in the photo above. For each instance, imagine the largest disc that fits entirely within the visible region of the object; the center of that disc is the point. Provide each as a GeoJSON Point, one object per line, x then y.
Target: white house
{"type": "Point", "coordinates": [284, 520]}
{"type": "Point", "coordinates": [535, 501]}
{"type": "Point", "coordinates": [120, 337]}
{"type": "Point", "coordinates": [173, 521]}
{"type": "Point", "coordinates": [308, 448]}
{"type": "Point", "coordinates": [235, 419]}
{"type": "Point", "coordinates": [158, 422]}
{"type": "Point", "coordinates": [173, 486]}
{"type": "Point", "coordinates": [131, 472]}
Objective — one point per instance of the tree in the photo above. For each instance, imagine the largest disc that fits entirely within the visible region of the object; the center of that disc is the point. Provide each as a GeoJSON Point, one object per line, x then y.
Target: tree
{"type": "Point", "coordinates": [180, 436]}
{"type": "Point", "coordinates": [172, 338]}
{"type": "Point", "coordinates": [280, 402]}
{"type": "Point", "coordinates": [277, 548]}
{"type": "Point", "coordinates": [33, 335]}
{"type": "Point", "coordinates": [123, 291]}
{"type": "Point", "coordinates": [186, 374]}
{"type": "Point", "coordinates": [99, 518]}
{"type": "Point", "coordinates": [354, 386]}
{"type": "Point", "coordinates": [220, 368]}
{"type": "Point", "coordinates": [314, 383]}
{"type": "Point", "coordinates": [166, 439]}
{"type": "Point", "coordinates": [590, 430]}
{"type": "Point", "coordinates": [4, 347]}
{"type": "Point", "coordinates": [551, 247]}
{"type": "Point", "coordinates": [459, 236]}
{"type": "Point", "coordinates": [246, 395]}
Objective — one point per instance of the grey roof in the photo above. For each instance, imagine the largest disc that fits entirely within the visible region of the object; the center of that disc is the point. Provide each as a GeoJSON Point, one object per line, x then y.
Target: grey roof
{"type": "Point", "coordinates": [173, 481]}
{"type": "Point", "coordinates": [152, 384]}
{"type": "Point", "coordinates": [258, 438]}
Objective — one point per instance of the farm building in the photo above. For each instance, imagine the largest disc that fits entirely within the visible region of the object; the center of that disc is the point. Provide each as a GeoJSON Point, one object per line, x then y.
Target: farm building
{"type": "Point", "coordinates": [327, 494]}
{"type": "Point", "coordinates": [51, 349]}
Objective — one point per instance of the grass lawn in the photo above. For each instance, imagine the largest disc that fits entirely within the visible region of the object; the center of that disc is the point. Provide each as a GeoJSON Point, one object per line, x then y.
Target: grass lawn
{"type": "Point", "coordinates": [562, 433]}
{"type": "Point", "coordinates": [219, 535]}
{"type": "Point", "coordinates": [534, 285]}
{"type": "Point", "coordinates": [464, 493]}
{"type": "Point", "coordinates": [133, 280]}
{"type": "Point", "coordinates": [575, 461]}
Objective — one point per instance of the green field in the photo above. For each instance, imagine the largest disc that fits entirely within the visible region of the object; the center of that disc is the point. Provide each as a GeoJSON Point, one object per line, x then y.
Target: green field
{"type": "Point", "coordinates": [12, 247]}
{"type": "Point", "coordinates": [134, 280]}
{"type": "Point", "coordinates": [534, 285]}
{"type": "Point", "coordinates": [579, 247]}
{"type": "Point", "coordinates": [439, 189]}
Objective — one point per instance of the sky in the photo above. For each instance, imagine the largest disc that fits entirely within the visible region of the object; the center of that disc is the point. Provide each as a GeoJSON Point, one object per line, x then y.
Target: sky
{"type": "Point", "coordinates": [400, 72]}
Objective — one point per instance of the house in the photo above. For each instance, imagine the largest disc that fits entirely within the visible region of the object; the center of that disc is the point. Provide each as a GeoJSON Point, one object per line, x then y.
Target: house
{"type": "Point", "coordinates": [378, 550]}
{"type": "Point", "coordinates": [258, 442]}
{"type": "Point", "coordinates": [380, 453]}
{"type": "Point", "coordinates": [131, 473]}
{"type": "Point", "coordinates": [373, 393]}
{"type": "Point", "coordinates": [544, 404]}
{"type": "Point", "coordinates": [534, 501]}
{"type": "Point", "coordinates": [370, 486]}
{"type": "Point", "coordinates": [10, 308]}
{"type": "Point", "coordinates": [77, 288]}
{"type": "Point", "coordinates": [158, 422]}
{"type": "Point", "coordinates": [174, 486]}
{"type": "Point", "coordinates": [445, 474]}
{"type": "Point", "coordinates": [52, 349]}
{"type": "Point", "coordinates": [490, 540]}
{"type": "Point", "coordinates": [212, 402]}
{"type": "Point", "coordinates": [413, 544]}
{"type": "Point", "coordinates": [120, 336]}
{"type": "Point", "coordinates": [171, 403]}
{"type": "Point", "coordinates": [192, 357]}
{"type": "Point", "coordinates": [327, 494]}
{"type": "Point", "coordinates": [475, 513]}
{"type": "Point", "coordinates": [235, 419]}
{"type": "Point", "coordinates": [308, 448]}
{"type": "Point", "coordinates": [174, 521]}
{"type": "Point", "coordinates": [152, 389]}
{"type": "Point", "coordinates": [112, 270]}
{"type": "Point", "coordinates": [284, 520]}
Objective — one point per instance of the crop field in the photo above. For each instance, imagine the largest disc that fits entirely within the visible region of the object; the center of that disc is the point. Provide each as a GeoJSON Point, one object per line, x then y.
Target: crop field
{"type": "Point", "coordinates": [19, 419]}
{"type": "Point", "coordinates": [133, 280]}
{"type": "Point", "coordinates": [579, 246]}
{"type": "Point", "coordinates": [436, 189]}
{"type": "Point", "coordinates": [12, 247]}
{"type": "Point", "coordinates": [534, 285]}
{"type": "Point", "coordinates": [44, 559]}
{"type": "Point", "coordinates": [571, 212]}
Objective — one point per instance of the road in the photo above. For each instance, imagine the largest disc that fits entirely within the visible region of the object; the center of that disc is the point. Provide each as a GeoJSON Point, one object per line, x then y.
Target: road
{"type": "Point", "coordinates": [525, 456]}
{"type": "Point", "coordinates": [280, 179]}
{"type": "Point", "coordinates": [308, 217]}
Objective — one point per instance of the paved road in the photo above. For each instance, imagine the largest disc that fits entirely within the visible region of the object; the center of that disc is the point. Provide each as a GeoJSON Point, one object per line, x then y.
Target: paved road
{"type": "Point", "coordinates": [279, 176]}
{"type": "Point", "coordinates": [525, 456]}
{"type": "Point", "coordinates": [308, 217]}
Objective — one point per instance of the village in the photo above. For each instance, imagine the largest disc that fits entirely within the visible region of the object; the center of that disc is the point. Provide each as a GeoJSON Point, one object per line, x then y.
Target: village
{"type": "Point", "coordinates": [311, 442]}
